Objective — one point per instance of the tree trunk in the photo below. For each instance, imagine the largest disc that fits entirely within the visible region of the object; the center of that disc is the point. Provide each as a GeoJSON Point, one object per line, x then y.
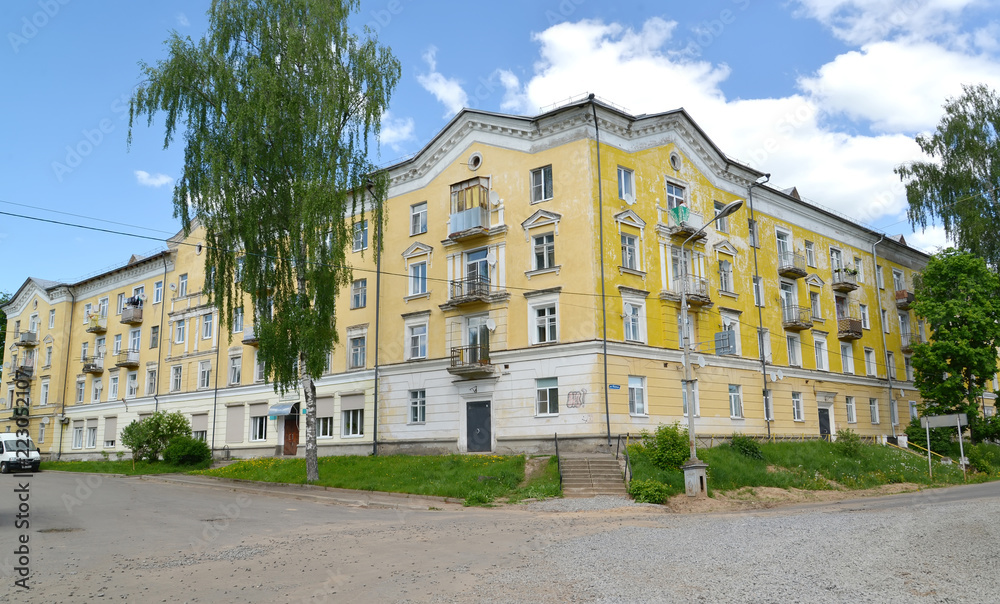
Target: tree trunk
{"type": "Point", "coordinates": [309, 388]}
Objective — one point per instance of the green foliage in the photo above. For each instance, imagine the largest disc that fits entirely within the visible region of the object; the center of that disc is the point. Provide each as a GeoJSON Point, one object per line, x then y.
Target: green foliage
{"type": "Point", "coordinates": [4, 299]}
{"type": "Point", "coordinates": [985, 458]}
{"type": "Point", "coordinates": [849, 444]}
{"type": "Point", "coordinates": [187, 451]}
{"type": "Point", "coordinates": [668, 447]}
{"type": "Point", "coordinates": [958, 185]}
{"type": "Point", "coordinates": [746, 446]}
{"type": "Point", "coordinates": [149, 437]}
{"type": "Point", "coordinates": [541, 485]}
{"type": "Point", "coordinates": [649, 491]}
{"type": "Point", "coordinates": [940, 437]}
{"type": "Point", "coordinates": [983, 429]}
{"type": "Point", "coordinates": [115, 467]}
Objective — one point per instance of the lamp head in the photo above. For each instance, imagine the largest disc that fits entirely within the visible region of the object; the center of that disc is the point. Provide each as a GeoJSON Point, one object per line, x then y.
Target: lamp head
{"type": "Point", "coordinates": [729, 209]}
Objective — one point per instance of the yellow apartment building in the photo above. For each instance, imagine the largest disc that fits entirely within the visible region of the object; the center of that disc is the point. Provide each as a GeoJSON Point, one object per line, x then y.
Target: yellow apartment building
{"type": "Point", "coordinates": [529, 286]}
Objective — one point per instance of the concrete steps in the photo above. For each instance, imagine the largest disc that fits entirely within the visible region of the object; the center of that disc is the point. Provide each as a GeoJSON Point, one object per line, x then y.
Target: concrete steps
{"type": "Point", "coordinates": [591, 475]}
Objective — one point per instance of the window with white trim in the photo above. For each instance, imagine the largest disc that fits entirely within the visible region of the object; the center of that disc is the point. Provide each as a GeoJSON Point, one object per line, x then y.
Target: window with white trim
{"type": "Point", "coordinates": [794, 350]}
{"type": "Point", "coordinates": [43, 399]}
{"type": "Point", "coordinates": [117, 347]}
{"type": "Point", "coordinates": [726, 276]}
{"type": "Point", "coordinates": [206, 326]}
{"type": "Point", "coordinates": [885, 321]}
{"type": "Point", "coordinates": [418, 218]}
{"type": "Point", "coordinates": [258, 428]}
{"type": "Point", "coordinates": [91, 435]}
{"type": "Point", "coordinates": [179, 326]}
{"type": "Point", "coordinates": [822, 356]}
{"type": "Point", "coordinates": [810, 253]}
{"type": "Point", "coordinates": [847, 357]}
{"type": "Point", "coordinates": [908, 369]}
{"type": "Point", "coordinates": [634, 318]}
{"type": "Point", "coordinates": [260, 369]}
{"type": "Point", "coordinates": [544, 251]}
{"type": "Point", "coordinates": [675, 195]}
{"type": "Point", "coordinates": [768, 406]}
{"type": "Point", "coordinates": [914, 412]}
{"type": "Point", "coordinates": [175, 378]}
{"type": "Point", "coordinates": [356, 352]}
{"type": "Point", "coordinates": [235, 370]}
{"type": "Point", "coordinates": [52, 319]}
{"type": "Point", "coordinates": [815, 306]}
{"type": "Point", "coordinates": [182, 286]}
{"type": "Point", "coordinates": [541, 184]}
{"type": "Point", "coordinates": [860, 267]}
{"type": "Point", "coordinates": [360, 238]}
{"type": "Point", "coordinates": [684, 399]}
{"type": "Point", "coordinates": [547, 396]}
{"type": "Point", "coordinates": [238, 320]}
{"type": "Point", "coordinates": [626, 183]}
{"type": "Point", "coordinates": [636, 395]}
{"type": "Point", "coordinates": [324, 427]}
{"type": "Point", "coordinates": [865, 321]}
{"type": "Point", "coordinates": [890, 364]}
{"type": "Point", "coordinates": [77, 435]}
{"type": "Point", "coordinates": [893, 412]}
{"type": "Point", "coordinates": [359, 293]}
{"type": "Point", "coordinates": [113, 388]}
{"type": "Point", "coordinates": [80, 388]}
{"type": "Point", "coordinates": [418, 406]}
{"type": "Point", "coordinates": [205, 374]}
{"type": "Point", "coordinates": [797, 413]}
{"type": "Point", "coordinates": [150, 382]}
{"type": "Point", "coordinates": [630, 252]}
{"type": "Point", "coordinates": [158, 292]}
{"type": "Point", "coordinates": [870, 367]}
{"type": "Point", "coordinates": [873, 410]}
{"type": "Point", "coordinates": [96, 387]}
{"type": "Point", "coordinates": [852, 415]}
{"type": "Point", "coordinates": [418, 278]}
{"type": "Point", "coordinates": [353, 423]}
{"type": "Point", "coordinates": [758, 291]}
{"type": "Point", "coordinates": [878, 277]}
{"type": "Point", "coordinates": [132, 384]}
{"type": "Point", "coordinates": [735, 401]}
{"type": "Point", "coordinates": [416, 341]}
{"type": "Point", "coordinates": [722, 224]}
{"type": "Point", "coordinates": [754, 233]}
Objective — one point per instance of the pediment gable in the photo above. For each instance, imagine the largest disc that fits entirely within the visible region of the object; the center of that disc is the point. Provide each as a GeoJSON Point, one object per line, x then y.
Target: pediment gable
{"type": "Point", "coordinates": [417, 249]}
{"type": "Point", "coordinates": [814, 280]}
{"type": "Point", "coordinates": [726, 247]}
{"type": "Point", "coordinates": [539, 219]}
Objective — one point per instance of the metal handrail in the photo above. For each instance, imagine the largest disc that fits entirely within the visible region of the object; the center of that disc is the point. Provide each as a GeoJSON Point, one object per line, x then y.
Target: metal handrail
{"type": "Point", "coordinates": [558, 459]}
{"type": "Point", "coordinates": [628, 460]}
{"type": "Point", "coordinates": [912, 444]}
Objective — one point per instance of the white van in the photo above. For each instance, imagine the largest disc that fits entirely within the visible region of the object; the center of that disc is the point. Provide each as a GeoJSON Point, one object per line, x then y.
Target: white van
{"type": "Point", "coordinates": [18, 454]}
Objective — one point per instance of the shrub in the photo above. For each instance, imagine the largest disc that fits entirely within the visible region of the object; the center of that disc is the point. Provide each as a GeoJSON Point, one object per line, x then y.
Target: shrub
{"type": "Point", "coordinates": [648, 491]}
{"type": "Point", "coordinates": [985, 458]}
{"type": "Point", "coordinates": [186, 451]}
{"type": "Point", "coordinates": [848, 443]}
{"type": "Point", "coordinates": [746, 446]}
{"type": "Point", "coordinates": [940, 437]}
{"type": "Point", "coordinates": [668, 447]}
{"type": "Point", "coordinates": [147, 438]}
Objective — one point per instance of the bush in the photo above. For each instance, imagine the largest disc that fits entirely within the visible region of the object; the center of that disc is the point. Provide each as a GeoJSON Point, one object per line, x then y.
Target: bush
{"type": "Point", "coordinates": [746, 446]}
{"type": "Point", "coordinates": [985, 458]}
{"type": "Point", "coordinates": [848, 443]}
{"type": "Point", "coordinates": [940, 437]}
{"type": "Point", "coordinates": [668, 447]}
{"type": "Point", "coordinates": [186, 451]}
{"type": "Point", "coordinates": [648, 491]}
{"type": "Point", "coordinates": [149, 437]}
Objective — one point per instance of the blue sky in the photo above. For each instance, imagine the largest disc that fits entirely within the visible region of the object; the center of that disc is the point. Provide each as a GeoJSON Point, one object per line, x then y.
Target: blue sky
{"type": "Point", "coordinates": [826, 95]}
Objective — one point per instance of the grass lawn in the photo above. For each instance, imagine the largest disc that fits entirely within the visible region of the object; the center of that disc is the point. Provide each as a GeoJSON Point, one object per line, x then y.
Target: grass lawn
{"type": "Point", "coordinates": [116, 467]}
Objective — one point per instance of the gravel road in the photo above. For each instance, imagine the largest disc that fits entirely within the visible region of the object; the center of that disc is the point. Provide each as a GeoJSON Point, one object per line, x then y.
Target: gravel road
{"type": "Point", "coordinates": [139, 541]}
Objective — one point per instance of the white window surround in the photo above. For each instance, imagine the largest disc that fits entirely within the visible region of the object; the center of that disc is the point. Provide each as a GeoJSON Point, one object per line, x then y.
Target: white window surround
{"type": "Point", "coordinates": [359, 236]}
{"type": "Point", "coordinates": [735, 401]}
{"type": "Point", "coordinates": [541, 185]}
{"type": "Point", "coordinates": [852, 412]}
{"type": "Point", "coordinates": [416, 336]}
{"type": "Point", "coordinates": [631, 220]}
{"type": "Point", "coordinates": [540, 223]}
{"type": "Point", "coordinates": [847, 357]}
{"type": "Point", "coordinates": [626, 183]}
{"type": "Point", "coordinates": [794, 343]}
{"type": "Point", "coordinates": [810, 248]}
{"type": "Point", "coordinates": [821, 351]}
{"type": "Point", "coordinates": [731, 322]}
{"type": "Point", "coordinates": [798, 414]}
{"type": "Point", "coordinates": [637, 396]}
{"type": "Point", "coordinates": [546, 397]}
{"type": "Point", "coordinates": [633, 314]}
{"type": "Point", "coordinates": [418, 218]}
{"type": "Point", "coordinates": [417, 254]}
{"type": "Point", "coordinates": [697, 399]}
{"type": "Point", "coordinates": [536, 302]}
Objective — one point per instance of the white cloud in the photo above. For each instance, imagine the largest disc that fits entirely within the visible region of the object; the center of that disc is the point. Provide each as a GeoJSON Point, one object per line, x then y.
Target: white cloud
{"type": "Point", "coordinates": [396, 130]}
{"type": "Point", "coordinates": [447, 91]}
{"type": "Point", "coordinates": [182, 20]}
{"type": "Point", "coordinates": [897, 86]}
{"type": "Point", "coordinates": [860, 22]}
{"type": "Point", "coordinates": [930, 240]}
{"type": "Point", "coordinates": [152, 180]}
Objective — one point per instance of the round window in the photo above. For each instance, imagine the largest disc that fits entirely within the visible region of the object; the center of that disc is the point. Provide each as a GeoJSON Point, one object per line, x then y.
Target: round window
{"type": "Point", "coordinates": [475, 160]}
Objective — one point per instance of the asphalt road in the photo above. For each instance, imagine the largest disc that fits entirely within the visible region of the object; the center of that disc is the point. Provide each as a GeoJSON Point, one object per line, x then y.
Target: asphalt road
{"type": "Point", "coordinates": [92, 538]}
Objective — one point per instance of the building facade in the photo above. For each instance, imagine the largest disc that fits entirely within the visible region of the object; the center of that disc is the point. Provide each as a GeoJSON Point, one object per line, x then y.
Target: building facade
{"type": "Point", "coordinates": [529, 286]}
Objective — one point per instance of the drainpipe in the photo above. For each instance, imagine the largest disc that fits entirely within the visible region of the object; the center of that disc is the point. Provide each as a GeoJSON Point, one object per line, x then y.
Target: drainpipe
{"type": "Point", "coordinates": [218, 370]}
{"type": "Point", "coordinates": [69, 338]}
{"type": "Point", "coordinates": [885, 349]}
{"type": "Point", "coordinates": [604, 306]}
{"type": "Point", "coordinates": [159, 351]}
{"type": "Point", "coordinates": [760, 314]}
{"type": "Point", "coordinates": [378, 288]}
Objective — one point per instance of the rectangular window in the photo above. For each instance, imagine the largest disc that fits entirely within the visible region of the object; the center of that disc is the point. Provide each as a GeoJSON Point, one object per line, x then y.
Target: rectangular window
{"type": "Point", "coordinates": [80, 387]}
{"type": "Point", "coordinates": [157, 292]}
{"type": "Point", "coordinates": [324, 427]}
{"type": "Point", "coordinates": [852, 414]}
{"type": "Point", "coordinates": [150, 382]}
{"type": "Point", "coordinates": [182, 286]}
{"type": "Point", "coordinates": [418, 341]}
{"type": "Point", "coordinates": [768, 406]}
{"type": "Point", "coordinates": [722, 224]}
{"type": "Point", "coordinates": [175, 378]}
{"type": "Point", "coordinates": [754, 234]}
{"type": "Point", "coordinates": [545, 251]}
{"type": "Point", "coordinates": [735, 401]}
{"type": "Point", "coordinates": [44, 398]}
{"type": "Point", "coordinates": [41, 433]}
{"type": "Point", "coordinates": [258, 428]}
{"type": "Point", "coordinates": [154, 336]}
{"type": "Point", "coordinates": [357, 352]}
{"type": "Point", "coordinates": [865, 321]}
{"type": "Point", "coordinates": [675, 196]}
{"type": "Point", "coordinates": [121, 303]}
{"type": "Point", "coordinates": [206, 326]}
{"type": "Point", "coordinates": [96, 386]}
{"type": "Point", "coordinates": [134, 340]}
{"type": "Point", "coordinates": [879, 280]}
{"type": "Point", "coordinates": [633, 322]}
{"type": "Point", "coordinates": [260, 370]}
{"type": "Point", "coordinates": [235, 370]}
{"type": "Point", "coordinates": [893, 412]}
{"type": "Point", "coordinates": [77, 435]}
{"type": "Point", "coordinates": [547, 396]}
{"type": "Point", "coordinates": [914, 413]}
{"type": "Point", "coordinates": [870, 368]}
{"type": "Point", "coordinates": [726, 276]}
{"type": "Point", "coordinates": [418, 218]}
{"type": "Point", "coordinates": [360, 236]}
{"type": "Point", "coordinates": [359, 293]}
{"type": "Point", "coordinates": [630, 252]}
{"type": "Point", "coordinates": [847, 357]}
{"type": "Point", "coordinates": [873, 410]}
{"type": "Point", "coordinates": [794, 359]}
{"type": "Point", "coordinates": [636, 395]}
{"type": "Point", "coordinates": [545, 324]}
{"type": "Point", "coordinates": [418, 406]}
{"type": "Point", "coordinates": [810, 253]}
{"type": "Point", "coordinates": [52, 319]}
{"type": "Point", "coordinates": [758, 291]}
{"type": "Point", "coordinates": [626, 184]}
{"type": "Point", "coordinates": [132, 384]}
{"type": "Point", "coordinates": [205, 374]}
{"type": "Point", "coordinates": [684, 399]}
{"type": "Point", "coordinates": [91, 437]}
{"type": "Point", "coordinates": [48, 356]}
{"type": "Point", "coordinates": [797, 414]}
{"type": "Point", "coordinates": [418, 278]}
{"type": "Point", "coordinates": [113, 388]}
{"type": "Point", "coordinates": [814, 304]}
{"type": "Point", "coordinates": [908, 368]}
{"type": "Point", "coordinates": [179, 331]}
{"type": "Point", "coordinates": [822, 360]}
{"type": "Point", "coordinates": [238, 320]}
{"type": "Point", "coordinates": [541, 184]}
{"type": "Point", "coordinates": [764, 344]}
{"type": "Point", "coordinates": [891, 365]}
{"type": "Point", "coordinates": [353, 423]}
{"type": "Point", "coordinates": [860, 267]}
{"type": "Point", "coordinates": [117, 348]}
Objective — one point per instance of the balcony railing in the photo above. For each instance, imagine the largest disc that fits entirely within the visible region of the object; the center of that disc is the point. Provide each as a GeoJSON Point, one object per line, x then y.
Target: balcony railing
{"type": "Point", "coordinates": [25, 368]}
{"type": "Point", "coordinates": [849, 328]}
{"type": "Point", "coordinates": [791, 265]}
{"type": "Point", "coordinates": [682, 221]}
{"type": "Point", "coordinates": [26, 338]}
{"type": "Point", "coordinates": [697, 289]}
{"type": "Point", "coordinates": [473, 218]}
{"type": "Point", "coordinates": [249, 335]}
{"type": "Point", "coordinates": [127, 358]}
{"type": "Point", "coordinates": [796, 318]}
{"type": "Point", "coordinates": [96, 324]}
{"type": "Point", "coordinates": [476, 287]}
{"type": "Point", "coordinates": [910, 339]}
{"type": "Point", "coordinates": [94, 364]}
{"type": "Point", "coordinates": [904, 299]}
{"type": "Point", "coordinates": [470, 360]}
{"type": "Point", "coordinates": [132, 315]}
{"type": "Point", "coordinates": [844, 280]}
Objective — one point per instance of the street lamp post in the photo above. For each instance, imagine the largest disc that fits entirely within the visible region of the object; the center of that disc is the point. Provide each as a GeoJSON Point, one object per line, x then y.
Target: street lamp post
{"type": "Point", "coordinates": [695, 477]}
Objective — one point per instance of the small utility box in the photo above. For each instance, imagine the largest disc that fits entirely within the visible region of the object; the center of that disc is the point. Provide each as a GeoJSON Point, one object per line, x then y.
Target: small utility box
{"type": "Point", "coordinates": [696, 478]}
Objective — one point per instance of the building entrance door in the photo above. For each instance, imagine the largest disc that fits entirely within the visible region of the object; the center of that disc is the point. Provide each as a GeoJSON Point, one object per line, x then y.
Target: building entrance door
{"type": "Point", "coordinates": [291, 435]}
{"type": "Point", "coordinates": [479, 435]}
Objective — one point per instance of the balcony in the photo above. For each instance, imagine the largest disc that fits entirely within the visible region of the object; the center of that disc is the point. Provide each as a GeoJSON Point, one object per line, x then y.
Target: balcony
{"type": "Point", "coordinates": [96, 324]}
{"type": "Point", "coordinates": [127, 358]}
{"type": "Point", "coordinates": [697, 290]}
{"type": "Point", "coordinates": [904, 299]}
{"type": "Point", "coordinates": [909, 340]}
{"type": "Point", "coordinates": [132, 315]}
{"type": "Point", "coordinates": [473, 289]}
{"type": "Point", "coordinates": [849, 328]}
{"type": "Point", "coordinates": [682, 223]}
{"type": "Point", "coordinates": [471, 362]}
{"type": "Point", "coordinates": [844, 280]}
{"type": "Point", "coordinates": [93, 364]}
{"type": "Point", "coordinates": [470, 223]}
{"type": "Point", "coordinates": [791, 265]}
{"type": "Point", "coordinates": [249, 336]}
{"type": "Point", "coordinates": [796, 318]}
{"type": "Point", "coordinates": [26, 338]}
